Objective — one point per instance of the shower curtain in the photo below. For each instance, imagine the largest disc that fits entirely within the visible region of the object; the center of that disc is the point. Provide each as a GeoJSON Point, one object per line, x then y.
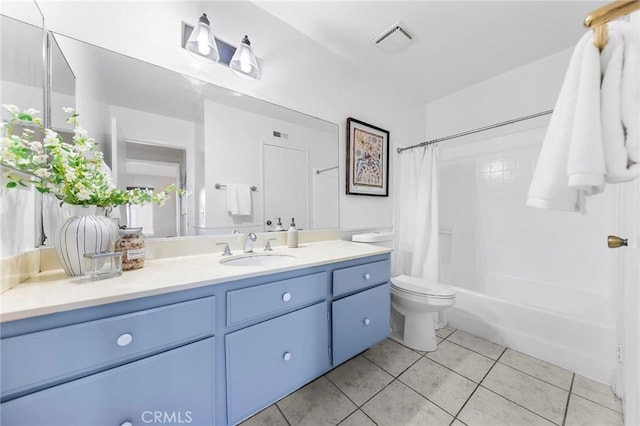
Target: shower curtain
{"type": "Point", "coordinates": [416, 240]}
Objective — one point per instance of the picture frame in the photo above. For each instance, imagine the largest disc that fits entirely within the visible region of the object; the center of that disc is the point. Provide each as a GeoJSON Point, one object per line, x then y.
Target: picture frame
{"type": "Point", "coordinates": [367, 159]}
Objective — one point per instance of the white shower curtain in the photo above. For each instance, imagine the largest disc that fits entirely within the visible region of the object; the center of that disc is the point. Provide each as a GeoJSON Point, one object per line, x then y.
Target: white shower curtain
{"type": "Point", "coordinates": [416, 240]}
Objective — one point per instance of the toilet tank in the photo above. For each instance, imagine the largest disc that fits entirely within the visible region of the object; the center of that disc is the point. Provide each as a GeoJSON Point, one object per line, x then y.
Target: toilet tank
{"type": "Point", "coordinates": [378, 238]}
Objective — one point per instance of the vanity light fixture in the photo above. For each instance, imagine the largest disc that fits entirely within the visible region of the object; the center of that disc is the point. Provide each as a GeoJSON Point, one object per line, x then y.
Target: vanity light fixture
{"type": "Point", "coordinates": [201, 43]}
{"type": "Point", "coordinates": [244, 63]}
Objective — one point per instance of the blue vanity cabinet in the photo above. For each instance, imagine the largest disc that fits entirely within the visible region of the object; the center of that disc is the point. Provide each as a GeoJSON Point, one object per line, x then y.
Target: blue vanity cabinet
{"type": "Point", "coordinates": [272, 359]}
{"type": "Point", "coordinates": [39, 359]}
{"type": "Point", "coordinates": [169, 388]}
{"type": "Point", "coordinates": [361, 308]}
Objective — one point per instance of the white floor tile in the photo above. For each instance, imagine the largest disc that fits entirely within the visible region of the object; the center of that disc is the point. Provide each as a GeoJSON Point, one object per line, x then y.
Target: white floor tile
{"type": "Point", "coordinates": [596, 392]}
{"type": "Point", "coordinates": [391, 356]}
{"type": "Point", "coordinates": [398, 405]}
{"type": "Point", "coordinates": [583, 412]}
{"type": "Point", "coordinates": [270, 416]}
{"type": "Point", "coordinates": [540, 397]}
{"type": "Point", "coordinates": [359, 379]}
{"type": "Point", "coordinates": [461, 360]}
{"type": "Point", "coordinates": [485, 408]}
{"type": "Point", "coordinates": [318, 403]}
{"type": "Point", "coordinates": [476, 344]}
{"type": "Point", "coordinates": [537, 368]}
{"type": "Point", "coordinates": [440, 385]}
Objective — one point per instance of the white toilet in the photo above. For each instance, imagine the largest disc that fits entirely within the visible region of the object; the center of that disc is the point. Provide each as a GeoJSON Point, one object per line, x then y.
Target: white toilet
{"type": "Point", "coordinates": [415, 303]}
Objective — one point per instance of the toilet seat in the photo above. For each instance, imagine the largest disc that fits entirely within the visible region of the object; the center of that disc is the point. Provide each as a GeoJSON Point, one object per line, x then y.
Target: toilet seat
{"type": "Point", "coordinates": [421, 287]}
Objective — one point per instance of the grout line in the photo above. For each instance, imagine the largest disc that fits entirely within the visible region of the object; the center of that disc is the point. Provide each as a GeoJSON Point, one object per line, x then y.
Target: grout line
{"type": "Point", "coordinates": [566, 407]}
{"type": "Point", "coordinates": [521, 406]}
{"type": "Point", "coordinates": [538, 378]}
{"type": "Point", "coordinates": [477, 386]}
{"type": "Point", "coordinates": [597, 403]}
{"type": "Point", "coordinates": [282, 413]}
{"type": "Point", "coordinates": [476, 352]}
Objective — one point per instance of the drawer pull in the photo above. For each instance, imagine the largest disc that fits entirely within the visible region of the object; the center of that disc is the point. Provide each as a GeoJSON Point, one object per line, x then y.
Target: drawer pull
{"type": "Point", "coordinates": [367, 321]}
{"type": "Point", "coordinates": [367, 276]}
{"type": "Point", "coordinates": [286, 356]}
{"type": "Point", "coordinates": [126, 424]}
{"type": "Point", "coordinates": [286, 297]}
{"type": "Point", "coordinates": [125, 339]}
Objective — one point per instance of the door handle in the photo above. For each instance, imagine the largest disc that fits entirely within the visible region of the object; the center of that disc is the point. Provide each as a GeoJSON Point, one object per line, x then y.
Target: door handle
{"type": "Point", "coordinates": [614, 241]}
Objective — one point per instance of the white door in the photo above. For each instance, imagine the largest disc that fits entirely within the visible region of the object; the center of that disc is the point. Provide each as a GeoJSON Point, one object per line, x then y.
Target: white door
{"type": "Point", "coordinates": [629, 297]}
{"type": "Point", "coordinates": [286, 194]}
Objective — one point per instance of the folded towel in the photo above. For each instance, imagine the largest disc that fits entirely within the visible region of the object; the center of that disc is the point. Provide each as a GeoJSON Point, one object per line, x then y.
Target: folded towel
{"type": "Point", "coordinates": [593, 135]}
{"type": "Point", "coordinates": [239, 199]}
{"type": "Point", "coordinates": [621, 103]}
{"type": "Point", "coordinates": [575, 123]}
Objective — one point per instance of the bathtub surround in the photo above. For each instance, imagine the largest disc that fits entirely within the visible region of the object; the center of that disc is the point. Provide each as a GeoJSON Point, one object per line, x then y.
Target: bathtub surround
{"type": "Point", "coordinates": [593, 134]}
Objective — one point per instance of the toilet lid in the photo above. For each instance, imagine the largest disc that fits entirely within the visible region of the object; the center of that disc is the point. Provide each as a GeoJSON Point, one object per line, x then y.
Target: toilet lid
{"type": "Point", "coordinates": [422, 287]}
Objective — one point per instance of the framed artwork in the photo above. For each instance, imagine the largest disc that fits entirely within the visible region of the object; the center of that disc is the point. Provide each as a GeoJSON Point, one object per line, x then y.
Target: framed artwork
{"type": "Point", "coordinates": [367, 159]}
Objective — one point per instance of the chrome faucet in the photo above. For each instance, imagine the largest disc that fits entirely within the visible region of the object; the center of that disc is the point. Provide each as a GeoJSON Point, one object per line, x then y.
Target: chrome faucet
{"type": "Point", "coordinates": [248, 244]}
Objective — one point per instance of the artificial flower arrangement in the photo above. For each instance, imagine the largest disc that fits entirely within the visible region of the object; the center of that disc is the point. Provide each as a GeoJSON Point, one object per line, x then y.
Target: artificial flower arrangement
{"type": "Point", "coordinates": [74, 173]}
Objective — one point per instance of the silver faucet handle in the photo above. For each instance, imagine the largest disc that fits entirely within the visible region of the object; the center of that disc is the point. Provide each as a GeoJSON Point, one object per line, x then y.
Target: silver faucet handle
{"type": "Point", "coordinates": [267, 247]}
{"type": "Point", "coordinates": [251, 236]}
{"type": "Point", "coordinates": [227, 250]}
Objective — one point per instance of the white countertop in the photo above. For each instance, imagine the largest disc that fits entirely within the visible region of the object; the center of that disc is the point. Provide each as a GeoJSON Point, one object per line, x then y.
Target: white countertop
{"type": "Point", "coordinates": [54, 291]}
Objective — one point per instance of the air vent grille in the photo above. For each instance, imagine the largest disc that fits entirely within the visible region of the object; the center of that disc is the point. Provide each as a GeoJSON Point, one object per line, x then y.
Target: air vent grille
{"type": "Point", "coordinates": [395, 38]}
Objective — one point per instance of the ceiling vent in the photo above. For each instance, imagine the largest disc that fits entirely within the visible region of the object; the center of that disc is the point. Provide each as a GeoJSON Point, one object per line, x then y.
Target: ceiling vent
{"type": "Point", "coordinates": [394, 39]}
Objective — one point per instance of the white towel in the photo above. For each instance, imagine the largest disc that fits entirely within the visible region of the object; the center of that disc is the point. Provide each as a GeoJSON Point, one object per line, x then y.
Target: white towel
{"type": "Point", "coordinates": [585, 143]}
{"type": "Point", "coordinates": [238, 199]}
{"type": "Point", "coordinates": [621, 103]}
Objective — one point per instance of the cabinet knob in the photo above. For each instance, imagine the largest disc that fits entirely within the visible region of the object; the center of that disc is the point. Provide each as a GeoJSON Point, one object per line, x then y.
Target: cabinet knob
{"type": "Point", "coordinates": [286, 297]}
{"type": "Point", "coordinates": [124, 339]}
{"type": "Point", "coordinates": [126, 424]}
{"type": "Point", "coordinates": [286, 356]}
{"type": "Point", "coordinates": [367, 276]}
{"type": "Point", "coordinates": [367, 321]}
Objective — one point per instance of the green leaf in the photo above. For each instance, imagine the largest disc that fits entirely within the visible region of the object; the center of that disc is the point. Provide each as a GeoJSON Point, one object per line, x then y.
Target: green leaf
{"type": "Point", "coordinates": [11, 184]}
{"type": "Point", "coordinates": [22, 184]}
{"type": "Point", "coordinates": [25, 117]}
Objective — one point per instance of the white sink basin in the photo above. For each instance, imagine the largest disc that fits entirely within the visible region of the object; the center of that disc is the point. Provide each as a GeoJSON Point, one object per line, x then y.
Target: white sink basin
{"type": "Point", "coordinates": [258, 259]}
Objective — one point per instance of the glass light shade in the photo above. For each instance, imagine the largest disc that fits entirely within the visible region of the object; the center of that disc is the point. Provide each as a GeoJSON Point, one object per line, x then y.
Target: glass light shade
{"type": "Point", "coordinates": [201, 43]}
{"type": "Point", "coordinates": [243, 63]}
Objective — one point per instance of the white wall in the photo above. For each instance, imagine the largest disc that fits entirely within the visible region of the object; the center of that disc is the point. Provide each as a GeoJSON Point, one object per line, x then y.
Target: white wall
{"type": "Point", "coordinates": [491, 241]}
{"type": "Point", "coordinates": [297, 72]}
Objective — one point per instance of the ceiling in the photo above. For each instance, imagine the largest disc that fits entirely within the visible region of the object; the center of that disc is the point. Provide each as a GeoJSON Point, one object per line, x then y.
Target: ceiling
{"type": "Point", "coordinates": [457, 43]}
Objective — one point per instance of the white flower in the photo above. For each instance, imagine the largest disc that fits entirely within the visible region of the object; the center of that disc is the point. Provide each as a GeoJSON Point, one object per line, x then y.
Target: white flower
{"type": "Point", "coordinates": [42, 158]}
{"type": "Point", "coordinates": [83, 194]}
{"type": "Point", "coordinates": [80, 132]}
{"type": "Point", "coordinates": [69, 175]}
{"type": "Point", "coordinates": [35, 146]}
{"type": "Point", "coordinates": [32, 111]}
{"type": "Point", "coordinates": [42, 173]}
{"type": "Point", "coordinates": [11, 108]}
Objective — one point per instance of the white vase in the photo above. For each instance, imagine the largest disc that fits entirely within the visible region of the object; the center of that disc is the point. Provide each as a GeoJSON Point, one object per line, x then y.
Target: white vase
{"type": "Point", "coordinates": [83, 232]}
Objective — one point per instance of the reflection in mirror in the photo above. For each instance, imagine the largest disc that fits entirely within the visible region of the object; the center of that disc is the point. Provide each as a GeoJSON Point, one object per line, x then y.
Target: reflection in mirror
{"type": "Point", "coordinates": [21, 65]}
{"type": "Point", "coordinates": [22, 74]}
{"type": "Point", "coordinates": [62, 89]}
{"type": "Point", "coordinates": [156, 127]}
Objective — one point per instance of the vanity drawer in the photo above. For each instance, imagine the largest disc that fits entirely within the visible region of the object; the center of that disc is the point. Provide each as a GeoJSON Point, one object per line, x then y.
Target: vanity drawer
{"type": "Point", "coordinates": [358, 277]}
{"type": "Point", "coordinates": [33, 360]}
{"type": "Point", "coordinates": [269, 360]}
{"type": "Point", "coordinates": [178, 383]}
{"type": "Point", "coordinates": [360, 321]}
{"type": "Point", "coordinates": [267, 299]}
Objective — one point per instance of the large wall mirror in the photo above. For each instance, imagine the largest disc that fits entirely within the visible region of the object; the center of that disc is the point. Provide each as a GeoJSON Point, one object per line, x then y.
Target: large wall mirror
{"type": "Point", "coordinates": [158, 127]}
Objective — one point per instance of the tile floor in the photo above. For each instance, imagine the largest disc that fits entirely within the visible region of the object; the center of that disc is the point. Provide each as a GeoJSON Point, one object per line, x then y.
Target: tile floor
{"type": "Point", "coordinates": [467, 381]}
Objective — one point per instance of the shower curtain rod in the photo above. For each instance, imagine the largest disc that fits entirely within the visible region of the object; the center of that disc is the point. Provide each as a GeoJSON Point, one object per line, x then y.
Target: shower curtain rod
{"type": "Point", "coordinates": [480, 129]}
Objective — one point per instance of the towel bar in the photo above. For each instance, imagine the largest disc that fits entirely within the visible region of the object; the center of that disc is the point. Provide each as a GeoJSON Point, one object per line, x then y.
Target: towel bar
{"type": "Point", "coordinates": [223, 186]}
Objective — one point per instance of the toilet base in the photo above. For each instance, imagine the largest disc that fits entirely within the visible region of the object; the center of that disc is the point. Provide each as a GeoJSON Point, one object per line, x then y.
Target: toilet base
{"type": "Point", "coordinates": [417, 333]}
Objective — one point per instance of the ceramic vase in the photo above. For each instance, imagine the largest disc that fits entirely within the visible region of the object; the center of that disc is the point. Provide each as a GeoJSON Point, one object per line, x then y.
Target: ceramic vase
{"type": "Point", "coordinates": [85, 231]}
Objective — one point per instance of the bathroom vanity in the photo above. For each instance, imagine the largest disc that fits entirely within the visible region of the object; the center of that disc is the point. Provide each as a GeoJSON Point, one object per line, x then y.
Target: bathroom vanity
{"type": "Point", "coordinates": [209, 351]}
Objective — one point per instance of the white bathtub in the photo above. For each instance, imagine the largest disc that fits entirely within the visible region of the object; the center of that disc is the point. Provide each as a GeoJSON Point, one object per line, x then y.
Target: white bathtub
{"type": "Point", "coordinates": [584, 346]}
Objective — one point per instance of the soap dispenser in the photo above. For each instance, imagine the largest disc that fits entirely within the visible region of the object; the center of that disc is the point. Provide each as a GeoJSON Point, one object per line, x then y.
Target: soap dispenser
{"type": "Point", "coordinates": [292, 235]}
{"type": "Point", "coordinates": [279, 225]}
